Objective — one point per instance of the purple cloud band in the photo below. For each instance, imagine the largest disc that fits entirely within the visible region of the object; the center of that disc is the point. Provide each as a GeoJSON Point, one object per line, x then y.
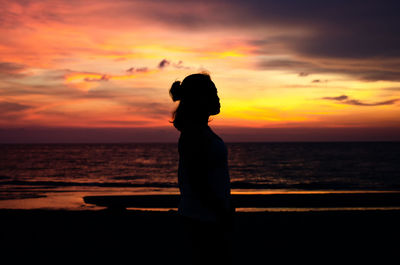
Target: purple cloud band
{"type": "Point", "coordinates": [344, 99]}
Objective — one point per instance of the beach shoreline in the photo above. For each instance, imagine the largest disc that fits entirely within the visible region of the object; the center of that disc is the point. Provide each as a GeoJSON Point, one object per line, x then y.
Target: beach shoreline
{"type": "Point", "coordinates": [244, 200]}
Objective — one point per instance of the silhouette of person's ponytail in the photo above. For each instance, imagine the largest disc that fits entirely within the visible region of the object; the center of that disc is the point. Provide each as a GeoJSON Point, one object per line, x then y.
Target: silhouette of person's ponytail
{"type": "Point", "coordinates": [176, 91]}
{"type": "Point", "coordinates": [203, 176]}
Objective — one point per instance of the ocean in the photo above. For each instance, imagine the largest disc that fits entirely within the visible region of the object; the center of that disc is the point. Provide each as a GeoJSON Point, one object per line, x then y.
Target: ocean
{"type": "Point", "coordinates": [59, 175]}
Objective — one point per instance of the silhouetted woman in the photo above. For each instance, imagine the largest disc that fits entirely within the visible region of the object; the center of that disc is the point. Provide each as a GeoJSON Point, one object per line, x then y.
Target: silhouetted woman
{"type": "Point", "coordinates": [203, 176]}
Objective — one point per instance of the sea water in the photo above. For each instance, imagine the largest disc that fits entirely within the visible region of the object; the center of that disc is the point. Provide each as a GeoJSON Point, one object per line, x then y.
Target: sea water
{"type": "Point", "coordinates": [67, 172]}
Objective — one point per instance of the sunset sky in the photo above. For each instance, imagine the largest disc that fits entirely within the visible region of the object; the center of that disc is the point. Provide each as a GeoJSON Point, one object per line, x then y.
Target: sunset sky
{"type": "Point", "coordinates": [285, 70]}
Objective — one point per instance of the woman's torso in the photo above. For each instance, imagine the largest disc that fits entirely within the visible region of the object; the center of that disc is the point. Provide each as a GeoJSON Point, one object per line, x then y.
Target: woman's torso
{"type": "Point", "coordinates": [202, 154]}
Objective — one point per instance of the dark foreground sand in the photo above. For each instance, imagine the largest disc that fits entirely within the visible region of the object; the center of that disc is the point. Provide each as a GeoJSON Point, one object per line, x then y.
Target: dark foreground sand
{"type": "Point", "coordinates": [134, 237]}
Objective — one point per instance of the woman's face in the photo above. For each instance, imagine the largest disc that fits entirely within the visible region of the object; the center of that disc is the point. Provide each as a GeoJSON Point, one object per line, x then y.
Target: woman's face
{"type": "Point", "coordinates": [214, 104]}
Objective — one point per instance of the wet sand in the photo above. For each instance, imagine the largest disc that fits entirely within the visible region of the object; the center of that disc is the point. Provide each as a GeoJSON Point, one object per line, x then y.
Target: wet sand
{"type": "Point", "coordinates": [149, 237]}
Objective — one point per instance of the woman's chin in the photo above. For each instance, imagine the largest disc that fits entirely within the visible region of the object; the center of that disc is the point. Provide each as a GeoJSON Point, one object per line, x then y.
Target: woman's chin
{"type": "Point", "coordinates": [215, 112]}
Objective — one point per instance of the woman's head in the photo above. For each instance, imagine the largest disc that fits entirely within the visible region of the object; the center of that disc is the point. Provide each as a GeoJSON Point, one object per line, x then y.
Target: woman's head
{"type": "Point", "coordinates": [198, 99]}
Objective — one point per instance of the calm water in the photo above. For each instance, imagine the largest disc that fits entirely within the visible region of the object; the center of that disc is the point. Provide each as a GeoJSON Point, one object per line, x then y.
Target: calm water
{"type": "Point", "coordinates": [29, 171]}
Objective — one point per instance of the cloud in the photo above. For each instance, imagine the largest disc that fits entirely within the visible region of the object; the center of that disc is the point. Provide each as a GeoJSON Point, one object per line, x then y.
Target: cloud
{"type": "Point", "coordinates": [73, 76]}
{"type": "Point", "coordinates": [319, 81]}
{"type": "Point", "coordinates": [94, 79]}
{"type": "Point", "coordinates": [381, 103]}
{"type": "Point", "coordinates": [332, 28]}
{"type": "Point", "coordinates": [12, 111]}
{"type": "Point", "coordinates": [342, 97]}
{"type": "Point", "coordinates": [7, 107]}
{"type": "Point", "coordinates": [367, 70]}
{"type": "Point", "coordinates": [392, 88]}
{"type": "Point", "coordinates": [137, 70]}
{"type": "Point", "coordinates": [55, 90]}
{"type": "Point", "coordinates": [180, 65]}
{"type": "Point", "coordinates": [333, 36]}
{"type": "Point", "coordinates": [164, 63]}
{"type": "Point", "coordinates": [339, 37]}
{"type": "Point", "coordinates": [58, 102]}
{"type": "Point", "coordinates": [346, 100]}
{"type": "Point", "coordinates": [9, 69]}
{"type": "Point", "coordinates": [286, 64]}
{"type": "Point", "coordinates": [148, 108]}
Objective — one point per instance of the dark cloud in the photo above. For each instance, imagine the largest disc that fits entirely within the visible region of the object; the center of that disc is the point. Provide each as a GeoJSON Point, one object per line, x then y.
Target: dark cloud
{"type": "Point", "coordinates": [306, 68]}
{"type": "Point", "coordinates": [102, 78]}
{"type": "Point", "coordinates": [368, 70]}
{"type": "Point", "coordinates": [286, 64]}
{"type": "Point", "coordinates": [7, 107]}
{"type": "Point", "coordinates": [161, 65]}
{"type": "Point", "coordinates": [137, 70]}
{"type": "Point", "coordinates": [8, 69]}
{"type": "Point", "coordinates": [164, 63]}
{"type": "Point", "coordinates": [336, 28]}
{"type": "Point", "coordinates": [342, 97]}
{"type": "Point", "coordinates": [345, 100]}
{"type": "Point", "coordinates": [349, 38]}
{"type": "Point", "coordinates": [142, 69]}
{"type": "Point", "coordinates": [319, 81]}
{"type": "Point", "coordinates": [381, 103]}
{"type": "Point", "coordinates": [180, 65]}
{"type": "Point", "coordinates": [329, 36]}
{"type": "Point", "coordinates": [12, 111]}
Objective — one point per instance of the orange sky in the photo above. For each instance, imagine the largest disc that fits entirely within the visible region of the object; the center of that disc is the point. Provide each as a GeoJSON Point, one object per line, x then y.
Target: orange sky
{"type": "Point", "coordinates": [279, 64]}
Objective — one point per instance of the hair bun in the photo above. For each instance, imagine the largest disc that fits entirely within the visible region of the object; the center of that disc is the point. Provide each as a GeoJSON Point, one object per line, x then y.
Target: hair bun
{"type": "Point", "coordinates": [176, 91]}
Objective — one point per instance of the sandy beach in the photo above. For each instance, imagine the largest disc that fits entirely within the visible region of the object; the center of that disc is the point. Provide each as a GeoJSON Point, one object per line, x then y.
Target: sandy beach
{"type": "Point", "coordinates": [151, 237]}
